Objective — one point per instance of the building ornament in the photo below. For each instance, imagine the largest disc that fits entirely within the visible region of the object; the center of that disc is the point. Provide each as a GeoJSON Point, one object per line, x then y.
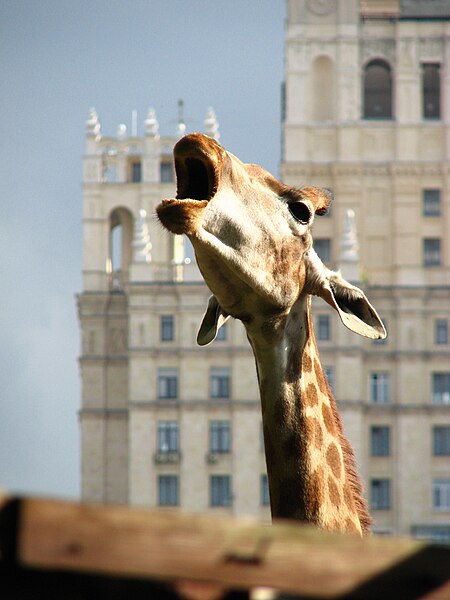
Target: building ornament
{"type": "Point", "coordinates": [349, 240]}
{"type": "Point", "coordinates": [151, 125]}
{"type": "Point", "coordinates": [378, 48]}
{"type": "Point", "coordinates": [431, 48]}
{"type": "Point", "coordinates": [121, 131]}
{"type": "Point", "coordinates": [321, 7]}
{"type": "Point", "coordinates": [211, 124]}
{"type": "Point", "coordinates": [141, 241]}
{"type": "Point", "coordinates": [93, 126]}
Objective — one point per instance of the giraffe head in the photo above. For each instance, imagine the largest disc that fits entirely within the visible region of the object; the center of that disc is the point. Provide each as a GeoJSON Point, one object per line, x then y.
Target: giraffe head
{"type": "Point", "coordinates": [252, 240]}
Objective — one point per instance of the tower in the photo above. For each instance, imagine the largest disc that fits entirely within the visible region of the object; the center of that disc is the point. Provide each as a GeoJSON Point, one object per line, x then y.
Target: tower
{"type": "Point", "coordinates": [367, 106]}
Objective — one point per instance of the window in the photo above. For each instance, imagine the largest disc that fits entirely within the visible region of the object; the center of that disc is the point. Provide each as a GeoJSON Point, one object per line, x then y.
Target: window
{"type": "Point", "coordinates": [441, 494]}
{"type": "Point", "coordinates": [379, 388]}
{"type": "Point", "coordinates": [222, 334]}
{"type": "Point", "coordinates": [168, 490]}
{"type": "Point", "coordinates": [380, 440]}
{"type": "Point", "coordinates": [219, 382]}
{"type": "Point", "coordinates": [380, 494]}
{"type": "Point", "coordinates": [109, 171]}
{"type": "Point", "coordinates": [167, 383]}
{"type": "Point", "coordinates": [168, 436]}
{"type": "Point", "coordinates": [432, 252]}
{"type": "Point", "coordinates": [323, 248]}
{"type": "Point", "coordinates": [167, 329]}
{"type": "Point", "coordinates": [120, 234]}
{"type": "Point", "coordinates": [441, 331]}
{"type": "Point", "coordinates": [135, 171]}
{"type": "Point", "coordinates": [441, 388]}
{"type": "Point", "coordinates": [431, 91]}
{"type": "Point", "coordinates": [329, 374]}
{"type": "Point", "coordinates": [166, 172]}
{"type": "Point", "coordinates": [323, 327]}
{"type": "Point", "coordinates": [431, 203]}
{"type": "Point", "coordinates": [438, 534]}
{"type": "Point", "coordinates": [265, 498]}
{"type": "Point", "coordinates": [220, 489]}
{"type": "Point", "coordinates": [441, 440]}
{"type": "Point", "coordinates": [219, 436]}
{"type": "Point", "coordinates": [377, 90]}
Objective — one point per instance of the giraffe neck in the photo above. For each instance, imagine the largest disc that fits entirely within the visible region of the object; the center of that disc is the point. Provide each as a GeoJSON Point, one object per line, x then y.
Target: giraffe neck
{"type": "Point", "coordinates": [310, 464]}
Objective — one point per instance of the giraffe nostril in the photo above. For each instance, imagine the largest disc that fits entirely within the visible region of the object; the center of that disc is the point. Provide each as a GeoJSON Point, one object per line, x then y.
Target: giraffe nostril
{"type": "Point", "coordinates": [300, 211]}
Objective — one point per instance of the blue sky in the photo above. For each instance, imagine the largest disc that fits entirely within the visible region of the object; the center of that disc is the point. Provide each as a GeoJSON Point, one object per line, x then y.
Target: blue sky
{"type": "Point", "coordinates": [57, 59]}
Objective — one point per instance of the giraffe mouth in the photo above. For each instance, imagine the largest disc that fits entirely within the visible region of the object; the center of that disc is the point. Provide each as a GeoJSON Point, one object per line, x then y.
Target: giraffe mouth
{"type": "Point", "coordinates": [195, 179]}
{"type": "Point", "coordinates": [198, 165]}
{"type": "Point", "coordinates": [198, 161]}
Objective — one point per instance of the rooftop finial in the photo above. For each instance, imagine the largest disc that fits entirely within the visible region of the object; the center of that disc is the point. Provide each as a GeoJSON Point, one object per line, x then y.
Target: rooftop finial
{"type": "Point", "coordinates": [181, 126]}
{"type": "Point", "coordinates": [93, 126]}
{"type": "Point", "coordinates": [141, 239]}
{"type": "Point", "coordinates": [211, 124]}
{"type": "Point", "coordinates": [121, 131]}
{"type": "Point", "coordinates": [151, 125]}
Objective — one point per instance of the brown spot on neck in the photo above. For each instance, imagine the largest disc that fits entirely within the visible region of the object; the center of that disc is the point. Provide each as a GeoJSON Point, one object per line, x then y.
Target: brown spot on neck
{"type": "Point", "coordinates": [320, 377]}
{"type": "Point", "coordinates": [306, 363]}
{"type": "Point", "coordinates": [334, 460]}
{"type": "Point", "coordinates": [328, 419]}
{"type": "Point", "coordinates": [333, 492]}
{"type": "Point", "coordinates": [311, 395]}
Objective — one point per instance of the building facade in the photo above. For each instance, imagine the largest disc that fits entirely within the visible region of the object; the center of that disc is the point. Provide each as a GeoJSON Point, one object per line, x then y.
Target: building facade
{"type": "Point", "coordinates": [163, 421]}
{"type": "Point", "coordinates": [166, 423]}
{"type": "Point", "coordinates": [367, 114]}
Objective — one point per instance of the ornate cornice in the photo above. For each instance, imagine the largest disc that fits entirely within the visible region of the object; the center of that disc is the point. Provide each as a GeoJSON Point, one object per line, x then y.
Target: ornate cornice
{"type": "Point", "coordinates": [305, 170]}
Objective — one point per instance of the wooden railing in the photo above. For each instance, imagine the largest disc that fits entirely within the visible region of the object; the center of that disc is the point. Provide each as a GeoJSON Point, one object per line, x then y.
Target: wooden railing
{"type": "Point", "coordinates": [52, 549]}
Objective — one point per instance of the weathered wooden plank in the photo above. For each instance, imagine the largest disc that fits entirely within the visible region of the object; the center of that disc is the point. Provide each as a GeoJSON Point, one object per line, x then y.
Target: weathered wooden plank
{"type": "Point", "coordinates": [235, 553]}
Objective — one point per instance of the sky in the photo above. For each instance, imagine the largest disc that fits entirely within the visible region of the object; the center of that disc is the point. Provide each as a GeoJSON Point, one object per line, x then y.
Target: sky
{"type": "Point", "coordinates": [59, 58]}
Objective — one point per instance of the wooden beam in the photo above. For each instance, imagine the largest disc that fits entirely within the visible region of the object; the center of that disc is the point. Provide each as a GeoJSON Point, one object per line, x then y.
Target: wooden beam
{"type": "Point", "coordinates": [234, 553]}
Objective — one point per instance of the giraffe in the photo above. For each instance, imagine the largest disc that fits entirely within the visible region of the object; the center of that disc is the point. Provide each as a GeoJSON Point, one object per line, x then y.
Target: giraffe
{"type": "Point", "coordinates": [252, 239]}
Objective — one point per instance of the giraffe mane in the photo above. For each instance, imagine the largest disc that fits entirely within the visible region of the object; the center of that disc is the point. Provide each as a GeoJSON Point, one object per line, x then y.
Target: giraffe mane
{"type": "Point", "coordinates": [351, 470]}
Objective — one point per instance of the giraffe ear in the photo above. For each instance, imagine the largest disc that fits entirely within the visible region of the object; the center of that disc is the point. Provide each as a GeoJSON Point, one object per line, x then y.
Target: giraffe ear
{"type": "Point", "coordinates": [350, 302]}
{"type": "Point", "coordinates": [212, 321]}
{"type": "Point", "coordinates": [353, 307]}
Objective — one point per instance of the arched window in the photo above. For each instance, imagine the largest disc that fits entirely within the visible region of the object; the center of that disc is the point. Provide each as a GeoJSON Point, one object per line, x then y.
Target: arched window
{"type": "Point", "coordinates": [120, 238]}
{"type": "Point", "coordinates": [377, 90]}
{"type": "Point", "coordinates": [323, 89]}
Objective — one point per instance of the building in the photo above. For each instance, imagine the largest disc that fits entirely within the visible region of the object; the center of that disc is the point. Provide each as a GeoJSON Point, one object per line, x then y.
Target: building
{"type": "Point", "coordinates": [367, 114]}
{"type": "Point", "coordinates": [163, 421]}
{"type": "Point", "coordinates": [166, 423]}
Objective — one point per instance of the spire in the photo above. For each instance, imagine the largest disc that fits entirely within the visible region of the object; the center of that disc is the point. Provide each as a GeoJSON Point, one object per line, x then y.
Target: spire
{"type": "Point", "coordinates": [349, 248]}
{"type": "Point", "coordinates": [141, 241]}
{"type": "Point", "coordinates": [93, 126]}
{"type": "Point", "coordinates": [211, 124]}
{"type": "Point", "coordinates": [151, 125]}
{"type": "Point", "coordinates": [134, 123]}
{"type": "Point", "coordinates": [181, 126]}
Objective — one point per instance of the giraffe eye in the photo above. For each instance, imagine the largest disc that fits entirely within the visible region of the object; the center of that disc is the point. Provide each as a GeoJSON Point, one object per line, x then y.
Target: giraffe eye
{"type": "Point", "coordinates": [300, 211]}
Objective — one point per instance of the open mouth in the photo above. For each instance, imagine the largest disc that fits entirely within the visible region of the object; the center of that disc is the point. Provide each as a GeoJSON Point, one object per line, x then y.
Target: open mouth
{"type": "Point", "coordinates": [198, 166]}
{"type": "Point", "coordinates": [197, 160]}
